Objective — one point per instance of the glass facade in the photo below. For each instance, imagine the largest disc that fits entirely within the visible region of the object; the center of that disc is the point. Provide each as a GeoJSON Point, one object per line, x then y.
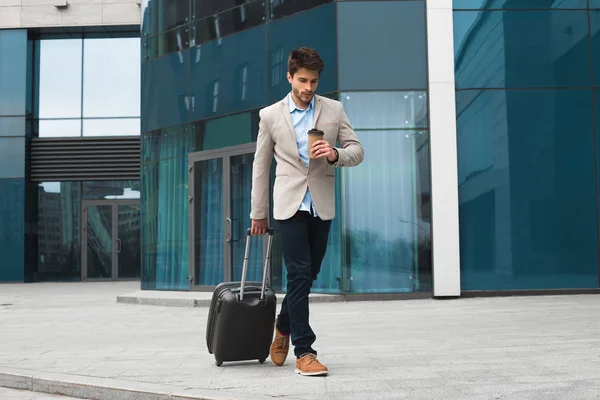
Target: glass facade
{"type": "Point", "coordinates": [13, 136]}
{"type": "Point", "coordinates": [527, 141]}
{"type": "Point", "coordinates": [67, 84]}
{"type": "Point", "coordinates": [209, 66]}
{"type": "Point", "coordinates": [87, 87]}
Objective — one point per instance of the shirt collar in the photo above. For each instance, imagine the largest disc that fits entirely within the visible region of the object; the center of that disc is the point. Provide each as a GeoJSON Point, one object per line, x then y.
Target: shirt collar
{"type": "Point", "coordinates": [294, 107]}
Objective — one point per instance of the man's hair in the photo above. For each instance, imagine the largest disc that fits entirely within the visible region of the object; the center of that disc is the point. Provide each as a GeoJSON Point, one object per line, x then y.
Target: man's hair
{"type": "Point", "coordinates": [304, 57]}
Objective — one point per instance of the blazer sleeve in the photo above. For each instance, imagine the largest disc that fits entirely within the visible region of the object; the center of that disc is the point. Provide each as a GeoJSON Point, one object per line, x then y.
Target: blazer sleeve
{"type": "Point", "coordinates": [351, 152]}
{"type": "Point", "coordinates": [261, 170]}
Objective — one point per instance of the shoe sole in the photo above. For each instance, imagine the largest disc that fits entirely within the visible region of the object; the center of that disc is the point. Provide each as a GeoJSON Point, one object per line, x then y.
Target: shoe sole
{"type": "Point", "coordinates": [320, 373]}
{"type": "Point", "coordinates": [277, 365]}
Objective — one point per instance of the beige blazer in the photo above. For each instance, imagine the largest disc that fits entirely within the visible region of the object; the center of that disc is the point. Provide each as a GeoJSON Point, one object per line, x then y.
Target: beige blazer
{"type": "Point", "coordinates": [276, 137]}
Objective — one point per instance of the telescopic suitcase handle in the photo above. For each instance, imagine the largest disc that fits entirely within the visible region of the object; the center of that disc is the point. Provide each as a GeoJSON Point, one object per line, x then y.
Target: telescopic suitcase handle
{"type": "Point", "coordinates": [270, 232]}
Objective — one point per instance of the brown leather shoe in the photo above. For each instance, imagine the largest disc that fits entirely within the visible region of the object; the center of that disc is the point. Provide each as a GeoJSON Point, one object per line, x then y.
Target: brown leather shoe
{"type": "Point", "coordinates": [279, 348]}
{"type": "Point", "coordinates": [310, 366]}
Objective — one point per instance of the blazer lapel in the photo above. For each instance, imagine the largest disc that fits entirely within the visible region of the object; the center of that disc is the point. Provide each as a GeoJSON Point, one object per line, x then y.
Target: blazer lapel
{"type": "Point", "coordinates": [285, 110]}
{"type": "Point", "coordinates": [318, 106]}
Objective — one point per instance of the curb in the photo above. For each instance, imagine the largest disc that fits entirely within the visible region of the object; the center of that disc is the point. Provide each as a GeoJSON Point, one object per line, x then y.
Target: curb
{"type": "Point", "coordinates": [92, 388]}
{"type": "Point", "coordinates": [205, 303]}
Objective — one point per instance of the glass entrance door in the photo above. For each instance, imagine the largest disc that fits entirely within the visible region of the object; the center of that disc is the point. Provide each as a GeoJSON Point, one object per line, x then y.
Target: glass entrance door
{"type": "Point", "coordinates": [111, 240]}
{"type": "Point", "coordinates": [220, 184]}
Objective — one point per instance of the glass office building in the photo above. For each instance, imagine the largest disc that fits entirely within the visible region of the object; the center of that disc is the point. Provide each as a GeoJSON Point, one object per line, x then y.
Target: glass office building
{"type": "Point", "coordinates": [69, 154]}
{"type": "Point", "coordinates": [478, 120]}
{"type": "Point", "coordinates": [209, 66]}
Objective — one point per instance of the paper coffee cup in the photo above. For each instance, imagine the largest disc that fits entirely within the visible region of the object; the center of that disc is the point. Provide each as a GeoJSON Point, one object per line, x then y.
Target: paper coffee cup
{"type": "Point", "coordinates": [314, 135]}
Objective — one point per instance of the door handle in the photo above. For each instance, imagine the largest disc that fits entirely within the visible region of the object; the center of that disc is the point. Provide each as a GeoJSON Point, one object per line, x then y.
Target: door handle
{"type": "Point", "coordinates": [228, 229]}
{"type": "Point", "coordinates": [119, 246]}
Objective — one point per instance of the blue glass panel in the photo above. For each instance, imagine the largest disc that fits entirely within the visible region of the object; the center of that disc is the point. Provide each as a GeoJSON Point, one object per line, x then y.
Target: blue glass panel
{"type": "Point", "coordinates": [12, 230]}
{"type": "Point", "coordinates": [518, 4]}
{"type": "Point", "coordinates": [12, 126]}
{"type": "Point", "coordinates": [209, 216]}
{"type": "Point", "coordinates": [59, 231]}
{"type": "Point", "coordinates": [286, 34]}
{"type": "Point", "coordinates": [13, 71]}
{"type": "Point", "coordinates": [594, 3]}
{"type": "Point", "coordinates": [393, 56]}
{"type": "Point", "coordinates": [595, 29]}
{"type": "Point", "coordinates": [228, 75]}
{"type": "Point", "coordinates": [164, 209]}
{"type": "Point", "coordinates": [387, 235]}
{"type": "Point", "coordinates": [231, 130]}
{"type": "Point", "coordinates": [12, 157]}
{"type": "Point", "coordinates": [229, 22]}
{"type": "Point", "coordinates": [170, 142]}
{"type": "Point", "coordinates": [526, 190]}
{"type": "Point", "coordinates": [165, 97]}
{"type": "Point", "coordinates": [521, 49]}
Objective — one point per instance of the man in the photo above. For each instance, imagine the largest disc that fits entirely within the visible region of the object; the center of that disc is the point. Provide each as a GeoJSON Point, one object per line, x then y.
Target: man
{"type": "Point", "coordinates": [303, 195]}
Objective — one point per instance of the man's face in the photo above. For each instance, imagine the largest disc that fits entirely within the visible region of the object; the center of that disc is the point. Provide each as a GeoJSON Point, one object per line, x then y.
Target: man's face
{"type": "Point", "coordinates": [304, 84]}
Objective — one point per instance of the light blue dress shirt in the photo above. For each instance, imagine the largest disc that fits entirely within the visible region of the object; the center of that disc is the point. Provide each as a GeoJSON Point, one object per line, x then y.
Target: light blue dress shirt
{"type": "Point", "coordinates": [303, 122]}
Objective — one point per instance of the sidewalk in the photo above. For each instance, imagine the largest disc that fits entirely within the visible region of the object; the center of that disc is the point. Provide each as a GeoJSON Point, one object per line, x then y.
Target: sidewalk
{"type": "Point", "coordinates": [75, 339]}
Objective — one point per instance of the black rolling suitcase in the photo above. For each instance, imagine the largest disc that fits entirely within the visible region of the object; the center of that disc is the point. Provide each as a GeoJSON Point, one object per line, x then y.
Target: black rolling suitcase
{"type": "Point", "coordinates": [241, 318]}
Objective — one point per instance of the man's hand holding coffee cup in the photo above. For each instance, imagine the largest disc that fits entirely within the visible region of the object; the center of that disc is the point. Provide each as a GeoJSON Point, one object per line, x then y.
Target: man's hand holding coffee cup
{"type": "Point", "coordinates": [322, 148]}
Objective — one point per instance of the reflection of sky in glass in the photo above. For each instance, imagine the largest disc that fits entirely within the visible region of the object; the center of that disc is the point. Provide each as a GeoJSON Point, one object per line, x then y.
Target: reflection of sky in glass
{"type": "Point", "coordinates": [103, 92]}
{"type": "Point", "coordinates": [111, 78]}
{"type": "Point", "coordinates": [386, 183]}
{"type": "Point", "coordinates": [51, 187]}
{"type": "Point", "coordinates": [60, 78]}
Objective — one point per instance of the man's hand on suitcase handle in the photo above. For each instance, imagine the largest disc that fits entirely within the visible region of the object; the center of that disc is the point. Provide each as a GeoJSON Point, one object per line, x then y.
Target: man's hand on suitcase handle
{"type": "Point", "coordinates": [259, 227]}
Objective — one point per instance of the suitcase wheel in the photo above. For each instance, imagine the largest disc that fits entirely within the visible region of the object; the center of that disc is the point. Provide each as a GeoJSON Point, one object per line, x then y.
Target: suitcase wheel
{"type": "Point", "coordinates": [262, 360]}
{"type": "Point", "coordinates": [218, 363]}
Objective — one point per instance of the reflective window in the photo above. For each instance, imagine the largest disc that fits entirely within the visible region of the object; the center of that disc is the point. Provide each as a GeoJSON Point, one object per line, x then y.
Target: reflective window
{"type": "Point", "coordinates": [386, 110]}
{"type": "Point", "coordinates": [205, 8]}
{"type": "Point", "coordinates": [165, 238]}
{"type": "Point", "coordinates": [594, 3]}
{"type": "Point", "coordinates": [12, 228]}
{"type": "Point", "coordinates": [111, 78]}
{"type": "Point", "coordinates": [165, 90]}
{"type": "Point", "coordinates": [388, 236]}
{"type": "Point", "coordinates": [171, 41]}
{"type": "Point", "coordinates": [173, 13]}
{"type": "Point", "coordinates": [175, 141]}
{"type": "Point", "coordinates": [518, 4]}
{"type": "Point", "coordinates": [111, 127]}
{"type": "Point", "coordinates": [228, 75]}
{"type": "Point", "coordinates": [59, 231]}
{"type": "Point", "coordinates": [12, 126]}
{"type": "Point", "coordinates": [60, 78]}
{"type": "Point", "coordinates": [12, 157]}
{"type": "Point", "coordinates": [111, 190]}
{"type": "Point", "coordinates": [88, 86]}
{"type": "Point", "coordinates": [227, 22]}
{"type": "Point", "coordinates": [286, 34]}
{"type": "Point", "coordinates": [509, 49]}
{"type": "Point", "coordinates": [527, 192]}
{"type": "Point", "coordinates": [283, 8]}
{"type": "Point", "coordinates": [13, 71]}
{"type": "Point", "coordinates": [59, 128]}
{"type": "Point", "coordinates": [393, 56]}
{"type": "Point", "coordinates": [595, 37]}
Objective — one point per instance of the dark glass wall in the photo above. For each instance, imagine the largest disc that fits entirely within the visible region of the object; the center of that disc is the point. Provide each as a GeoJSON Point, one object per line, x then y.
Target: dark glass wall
{"type": "Point", "coordinates": [527, 143]}
{"type": "Point", "coordinates": [13, 136]}
{"type": "Point", "coordinates": [209, 66]}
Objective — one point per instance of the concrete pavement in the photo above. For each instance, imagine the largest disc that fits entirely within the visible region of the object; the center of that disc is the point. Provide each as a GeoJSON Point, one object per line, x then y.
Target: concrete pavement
{"type": "Point", "coordinates": [76, 339]}
{"type": "Point", "coordinates": [14, 394]}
